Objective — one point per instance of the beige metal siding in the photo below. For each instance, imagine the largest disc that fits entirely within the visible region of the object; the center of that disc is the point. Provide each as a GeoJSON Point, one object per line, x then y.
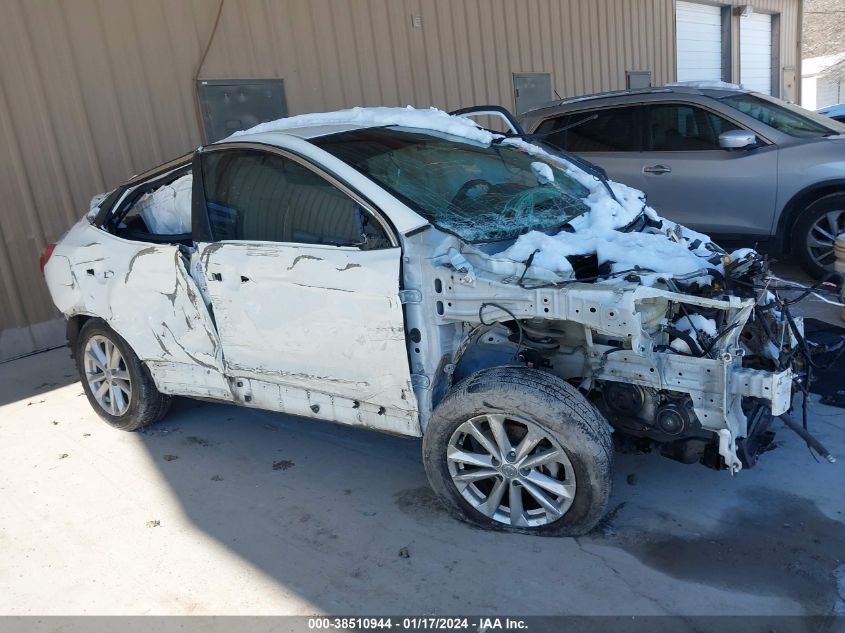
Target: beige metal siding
{"type": "Point", "coordinates": [92, 91]}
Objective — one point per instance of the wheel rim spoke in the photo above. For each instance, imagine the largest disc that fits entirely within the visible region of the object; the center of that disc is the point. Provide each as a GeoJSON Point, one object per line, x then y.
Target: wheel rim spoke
{"type": "Point", "coordinates": [527, 444]}
{"type": "Point", "coordinates": [540, 458]}
{"type": "Point", "coordinates": [497, 427]}
{"type": "Point", "coordinates": [478, 474]}
{"type": "Point", "coordinates": [551, 508]}
{"type": "Point", "coordinates": [517, 512]}
{"type": "Point", "coordinates": [557, 488]}
{"type": "Point", "coordinates": [815, 242]}
{"type": "Point", "coordinates": [482, 439]}
{"type": "Point", "coordinates": [833, 218]}
{"type": "Point", "coordinates": [471, 459]}
{"type": "Point", "coordinates": [494, 499]}
{"type": "Point", "coordinates": [101, 390]}
{"type": "Point", "coordinates": [114, 356]}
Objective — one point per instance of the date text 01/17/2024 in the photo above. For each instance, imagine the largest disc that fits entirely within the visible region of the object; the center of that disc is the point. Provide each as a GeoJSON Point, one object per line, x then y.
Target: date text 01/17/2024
{"type": "Point", "coordinates": [422, 623]}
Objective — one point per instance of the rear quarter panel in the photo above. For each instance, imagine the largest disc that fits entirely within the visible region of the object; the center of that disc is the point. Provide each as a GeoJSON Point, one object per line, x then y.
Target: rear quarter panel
{"type": "Point", "coordinates": [144, 292]}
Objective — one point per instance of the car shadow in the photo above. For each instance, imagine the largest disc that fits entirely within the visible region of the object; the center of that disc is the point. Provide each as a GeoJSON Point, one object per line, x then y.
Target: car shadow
{"type": "Point", "coordinates": [340, 515]}
{"type": "Point", "coordinates": [344, 517]}
{"type": "Point", "coordinates": [35, 376]}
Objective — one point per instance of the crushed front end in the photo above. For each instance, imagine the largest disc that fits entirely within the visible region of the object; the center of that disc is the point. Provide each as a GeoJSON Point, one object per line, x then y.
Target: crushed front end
{"type": "Point", "coordinates": [695, 366]}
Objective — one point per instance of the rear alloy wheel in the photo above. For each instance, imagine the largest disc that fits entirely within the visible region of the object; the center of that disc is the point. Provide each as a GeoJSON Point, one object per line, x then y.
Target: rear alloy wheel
{"type": "Point", "coordinates": [117, 384]}
{"type": "Point", "coordinates": [107, 375]}
{"type": "Point", "coordinates": [519, 449]}
{"type": "Point", "coordinates": [816, 231]}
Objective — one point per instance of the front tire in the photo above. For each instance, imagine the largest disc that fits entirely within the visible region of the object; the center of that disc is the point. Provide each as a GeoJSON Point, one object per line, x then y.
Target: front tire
{"type": "Point", "coordinates": [118, 386]}
{"type": "Point", "coordinates": [815, 232]}
{"type": "Point", "coordinates": [518, 449]}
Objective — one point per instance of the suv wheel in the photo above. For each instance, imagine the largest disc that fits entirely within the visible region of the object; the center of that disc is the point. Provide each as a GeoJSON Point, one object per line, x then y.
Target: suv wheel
{"type": "Point", "coordinates": [815, 232]}
{"type": "Point", "coordinates": [520, 450]}
{"type": "Point", "coordinates": [118, 386]}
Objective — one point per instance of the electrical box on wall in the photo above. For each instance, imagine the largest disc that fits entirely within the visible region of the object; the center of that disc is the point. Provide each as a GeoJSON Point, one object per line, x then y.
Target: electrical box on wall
{"type": "Point", "coordinates": [531, 90]}
{"type": "Point", "coordinates": [636, 79]}
{"type": "Point", "coordinates": [229, 105]}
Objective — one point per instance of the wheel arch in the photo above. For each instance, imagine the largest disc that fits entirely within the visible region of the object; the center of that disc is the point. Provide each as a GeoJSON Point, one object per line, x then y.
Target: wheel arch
{"type": "Point", "coordinates": [800, 201]}
{"type": "Point", "coordinates": [74, 325]}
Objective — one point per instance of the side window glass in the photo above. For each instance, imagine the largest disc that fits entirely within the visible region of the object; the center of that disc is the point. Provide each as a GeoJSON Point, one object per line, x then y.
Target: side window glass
{"type": "Point", "coordinates": [258, 196]}
{"type": "Point", "coordinates": [612, 130]}
{"type": "Point", "coordinates": [677, 127]}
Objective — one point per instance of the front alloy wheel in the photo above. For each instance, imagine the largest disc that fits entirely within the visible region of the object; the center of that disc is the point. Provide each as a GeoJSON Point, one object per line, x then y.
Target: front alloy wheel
{"type": "Point", "coordinates": [822, 237]}
{"type": "Point", "coordinates": [511, 470]}
{"type": "Point", "coordinates": [815, 233]}
{"type": "Point", "coordinates": [521, 450]}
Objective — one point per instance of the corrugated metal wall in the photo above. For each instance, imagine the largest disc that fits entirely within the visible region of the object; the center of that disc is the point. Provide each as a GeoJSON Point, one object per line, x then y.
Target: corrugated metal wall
{"type": "Point", "coordinates": [92, 91]}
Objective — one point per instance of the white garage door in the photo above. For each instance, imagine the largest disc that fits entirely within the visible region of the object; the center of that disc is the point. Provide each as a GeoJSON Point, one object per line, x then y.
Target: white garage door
{"type": "Point", "coordinates": [755, 52]}
{"type": "Point", "coordinates": [698, 29]}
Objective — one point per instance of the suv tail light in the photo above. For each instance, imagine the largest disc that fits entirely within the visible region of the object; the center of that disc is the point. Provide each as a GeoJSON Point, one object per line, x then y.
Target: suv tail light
{"type": "Point", "coordinates": [45, 256]}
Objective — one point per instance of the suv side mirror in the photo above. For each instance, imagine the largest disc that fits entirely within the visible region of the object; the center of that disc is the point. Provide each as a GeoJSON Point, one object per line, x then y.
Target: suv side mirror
{"type": "Point", "coordinates": [737, 139]}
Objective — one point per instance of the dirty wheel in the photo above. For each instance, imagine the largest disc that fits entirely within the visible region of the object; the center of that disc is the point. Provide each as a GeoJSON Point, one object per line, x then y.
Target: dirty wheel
{"type": "Point", "coordinates": [118, 386]}
{"type": "Point", "coordinates": [521, 450]}
{"type": "Point", "coordinates": [815, 234]}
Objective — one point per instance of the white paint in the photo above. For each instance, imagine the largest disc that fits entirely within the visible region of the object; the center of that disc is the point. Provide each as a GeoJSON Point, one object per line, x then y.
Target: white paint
{"type": "Point", "coordinates": [145, 294]}
{"type": "Point", "coordinates": [316, 318]}
{"type": "Point", "coordinates": [755, 52]}
{"type": "Point", "coordinates": [319, 331]}
{"type": "Point", "coordinates": [698, 41]}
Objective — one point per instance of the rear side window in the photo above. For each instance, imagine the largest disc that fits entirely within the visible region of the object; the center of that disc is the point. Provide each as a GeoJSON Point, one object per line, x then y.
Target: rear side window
{"type": "Point", "coordinates": [613, 130]}
{"type": "Point", "coordinates": [679, 127]}
{"type": "Point", "coordinates": [257, 196]}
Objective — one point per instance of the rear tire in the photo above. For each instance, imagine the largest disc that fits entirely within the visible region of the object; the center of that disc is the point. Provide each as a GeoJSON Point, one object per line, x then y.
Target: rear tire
{"type": "Point", "coordinates": [478, 454]}
{"type": "Point", "coordinates": [815, 232]}
{"type": "Point", "coordinates": [118, 386]}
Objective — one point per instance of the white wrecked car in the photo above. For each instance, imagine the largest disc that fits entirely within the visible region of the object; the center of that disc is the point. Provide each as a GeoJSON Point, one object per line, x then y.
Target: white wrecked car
{"type": "Point", "coordinates": [408, 271]}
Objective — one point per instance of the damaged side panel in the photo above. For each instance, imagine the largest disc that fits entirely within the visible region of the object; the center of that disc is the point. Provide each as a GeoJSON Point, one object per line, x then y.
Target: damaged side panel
{"type": "Point", "coordinates": [305, 326]}
{"type": "Point", "coordinates": [146, 295]}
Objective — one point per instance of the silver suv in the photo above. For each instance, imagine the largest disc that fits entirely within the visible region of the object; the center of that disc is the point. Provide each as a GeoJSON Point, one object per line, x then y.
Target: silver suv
{"type": "Point", "coordinates": [741, 166]}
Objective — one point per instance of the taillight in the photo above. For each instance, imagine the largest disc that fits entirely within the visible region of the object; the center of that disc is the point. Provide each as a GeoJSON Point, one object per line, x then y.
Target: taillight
{"type": "Point", "coordinates": [45, 256]}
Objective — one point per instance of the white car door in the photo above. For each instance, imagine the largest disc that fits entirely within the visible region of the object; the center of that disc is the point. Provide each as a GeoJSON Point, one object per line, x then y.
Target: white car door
{"type": "Point", "coordinates": [303, 279]}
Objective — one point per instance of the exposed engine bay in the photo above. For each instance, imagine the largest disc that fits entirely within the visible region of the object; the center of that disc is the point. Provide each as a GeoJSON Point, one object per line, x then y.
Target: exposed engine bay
{"type": "Point", "coordinates": [693, 365]}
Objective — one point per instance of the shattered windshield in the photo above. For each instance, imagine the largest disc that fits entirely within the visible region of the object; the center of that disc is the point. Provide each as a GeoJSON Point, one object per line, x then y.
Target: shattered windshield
{"type": "Point", "coordinates": [480, 192]}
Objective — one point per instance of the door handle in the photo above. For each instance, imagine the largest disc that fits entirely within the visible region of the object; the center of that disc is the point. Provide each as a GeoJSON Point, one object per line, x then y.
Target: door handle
{"type": "Point", "coordinates": [656, 169]}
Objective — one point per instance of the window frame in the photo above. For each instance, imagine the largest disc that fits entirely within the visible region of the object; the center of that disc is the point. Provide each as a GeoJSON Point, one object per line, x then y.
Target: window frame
{"type": "Point", "coordinates": [640, 123]}
{"type": "Point", "coordinates": [638, 133]}
{"type": "Point", "coordinates": [648, 144]}
{"type": "Point", "coordinates": [199, 208]}
{"type": "Point", "coordinates": [121, 199]}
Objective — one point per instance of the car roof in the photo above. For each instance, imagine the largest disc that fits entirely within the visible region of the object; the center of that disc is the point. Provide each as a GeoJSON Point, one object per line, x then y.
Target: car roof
{"type": "Point", "coordinates": [313, 125]}
{"type": "Point", "coordinates": [714, 90]}
{"type": "Point", "coordinates": [304, 131]}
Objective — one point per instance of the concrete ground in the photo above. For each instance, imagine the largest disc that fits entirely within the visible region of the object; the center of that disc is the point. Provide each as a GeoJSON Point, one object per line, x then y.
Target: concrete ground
{"type": "Point", "coordinates": [224, 510]}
